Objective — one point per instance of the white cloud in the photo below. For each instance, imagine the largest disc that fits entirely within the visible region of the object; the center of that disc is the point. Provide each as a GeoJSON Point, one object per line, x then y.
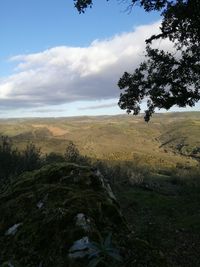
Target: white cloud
{"type": "Point", "coordinates": [65, 74]}
{"type": "Point", "coordinates": [102, 106]}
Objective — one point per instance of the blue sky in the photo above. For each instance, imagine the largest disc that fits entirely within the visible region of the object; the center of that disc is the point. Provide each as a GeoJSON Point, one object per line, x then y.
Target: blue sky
{"type": "Point", "coordinates": [34, 25]}
{"type": "Point", "coordinates": [56, 62]}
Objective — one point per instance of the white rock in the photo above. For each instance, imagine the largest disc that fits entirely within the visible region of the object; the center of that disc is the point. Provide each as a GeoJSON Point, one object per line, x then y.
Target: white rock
{"type": "Point", "coordinates": [12, 230]}
{"type": "Point", "coordinates": [40, 204]}
{"type": "Point", "coordinates": [105, 185]}
{"type": "Point", "coordinates": [82, 221]}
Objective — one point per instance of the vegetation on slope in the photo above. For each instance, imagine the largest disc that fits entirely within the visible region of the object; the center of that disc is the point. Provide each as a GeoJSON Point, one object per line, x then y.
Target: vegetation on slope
{"type": "Point", "coordinates": [164, 210]}
{"type": "Point", "coordinates": [53, 216]}
{"type": "Point", "coordinates": [157, 185]}
{"type": "Point", "coordinates": [118, 138]}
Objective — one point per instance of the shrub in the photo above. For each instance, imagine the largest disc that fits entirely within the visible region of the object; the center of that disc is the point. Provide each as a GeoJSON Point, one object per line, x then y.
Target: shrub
{"type": "Point", "coordinates": [31, 158]}
{"type": "Point", "coordinates": [54, 158]}
{"type": "Point", "coordinates": [72, 153]}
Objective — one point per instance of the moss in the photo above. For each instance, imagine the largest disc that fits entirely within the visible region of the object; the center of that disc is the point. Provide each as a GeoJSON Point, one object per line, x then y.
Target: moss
{"type": "Point", "coordinates": [48, 230]}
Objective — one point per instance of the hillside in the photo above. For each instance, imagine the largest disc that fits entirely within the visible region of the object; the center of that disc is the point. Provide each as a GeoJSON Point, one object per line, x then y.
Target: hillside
{"type": "Point", "coordinates": [115, 138]}
{"type": "Point", "coordinates": [153, 170]}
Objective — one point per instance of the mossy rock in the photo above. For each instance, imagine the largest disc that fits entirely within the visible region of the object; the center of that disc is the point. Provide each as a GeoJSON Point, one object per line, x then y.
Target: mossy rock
{"type": "Point", "coordinates": [39, 213]}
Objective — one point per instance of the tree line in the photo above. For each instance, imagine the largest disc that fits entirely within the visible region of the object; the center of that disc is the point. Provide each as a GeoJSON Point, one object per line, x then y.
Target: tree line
{"type": "Point", "coordinates": [13, 161]}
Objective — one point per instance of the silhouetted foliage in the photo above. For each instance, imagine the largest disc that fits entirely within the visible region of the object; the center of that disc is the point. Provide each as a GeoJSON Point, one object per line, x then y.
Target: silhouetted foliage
{"type": "Point", "coordinates": [73, 155]}
{"type": "Point", "coordinates": [82, 5]}
{"type": "Point", "coordinates": [31, 158]}
{"type": "Point", "coordinates": [54, 157]}
{"type": "Point", "coordinates": [165, 79]}
{"type": "Point", "coordinates": [9, 158]}
{"type": "Point", "coordinates": [13, 162]}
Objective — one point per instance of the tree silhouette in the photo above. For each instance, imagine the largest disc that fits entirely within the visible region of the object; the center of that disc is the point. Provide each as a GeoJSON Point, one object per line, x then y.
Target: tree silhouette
{"type": "Point", "coordinates": [72, 153]}
{"type": "Point", "coordinates": [164, 79]}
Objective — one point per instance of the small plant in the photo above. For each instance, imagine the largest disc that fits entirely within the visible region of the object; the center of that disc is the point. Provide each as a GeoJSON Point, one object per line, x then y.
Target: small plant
{"type": "Point", "coordinates": [103, 253]}
{"type": "Point", "coordinates": [72, 155]}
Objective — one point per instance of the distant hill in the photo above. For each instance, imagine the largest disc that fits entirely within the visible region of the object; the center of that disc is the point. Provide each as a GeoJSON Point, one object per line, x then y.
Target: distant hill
{"type": "Point", "coordinates": [115, 138]}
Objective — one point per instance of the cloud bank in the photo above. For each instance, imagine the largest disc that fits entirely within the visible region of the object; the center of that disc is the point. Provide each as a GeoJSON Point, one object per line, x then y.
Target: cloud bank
{"type": "Point", "coordinates": [110, 105]}
{"type": "Point", "coordinates": [65, 74]}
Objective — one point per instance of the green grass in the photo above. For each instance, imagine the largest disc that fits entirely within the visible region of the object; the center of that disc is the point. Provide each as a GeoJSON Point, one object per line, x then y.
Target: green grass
{"type": "Point", "coordinates": [167, 215]}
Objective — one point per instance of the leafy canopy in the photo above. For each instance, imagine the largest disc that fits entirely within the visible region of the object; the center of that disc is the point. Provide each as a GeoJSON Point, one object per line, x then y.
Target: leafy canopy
{"type": "Point", "coordinates": [165, 79]}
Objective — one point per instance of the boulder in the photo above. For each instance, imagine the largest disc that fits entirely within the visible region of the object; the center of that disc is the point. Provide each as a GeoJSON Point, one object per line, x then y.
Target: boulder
{"type": "Point", "coordinates": [49, 216]}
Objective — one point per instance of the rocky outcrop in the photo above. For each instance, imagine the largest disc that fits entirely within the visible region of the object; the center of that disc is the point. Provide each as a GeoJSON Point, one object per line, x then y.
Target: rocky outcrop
{"type": "Point", "coordinates": [48, 217]}
{"type": "Point", "coordinates": [54, 216]}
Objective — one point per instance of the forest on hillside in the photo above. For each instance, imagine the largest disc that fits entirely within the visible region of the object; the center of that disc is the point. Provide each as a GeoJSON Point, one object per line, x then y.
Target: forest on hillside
{"type": "Point", "coordinates": [156, 179]}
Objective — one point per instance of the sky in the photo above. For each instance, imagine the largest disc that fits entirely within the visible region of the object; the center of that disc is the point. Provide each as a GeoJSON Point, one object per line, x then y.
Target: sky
{"type": "Point", "coordinates": [56, 62]}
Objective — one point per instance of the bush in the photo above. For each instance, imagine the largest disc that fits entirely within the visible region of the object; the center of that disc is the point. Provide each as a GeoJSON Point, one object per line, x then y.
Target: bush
{"type": "Point", "coordinates": [13, 162]}
{"type": "Point", "coordinates": [31, 158]}
{"type": "Point", "coordinates": [73, 155]}
{"type": "Point", "coordinates": [54, 158]}
{"type": "Point", "coordinates": [9, 158]}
